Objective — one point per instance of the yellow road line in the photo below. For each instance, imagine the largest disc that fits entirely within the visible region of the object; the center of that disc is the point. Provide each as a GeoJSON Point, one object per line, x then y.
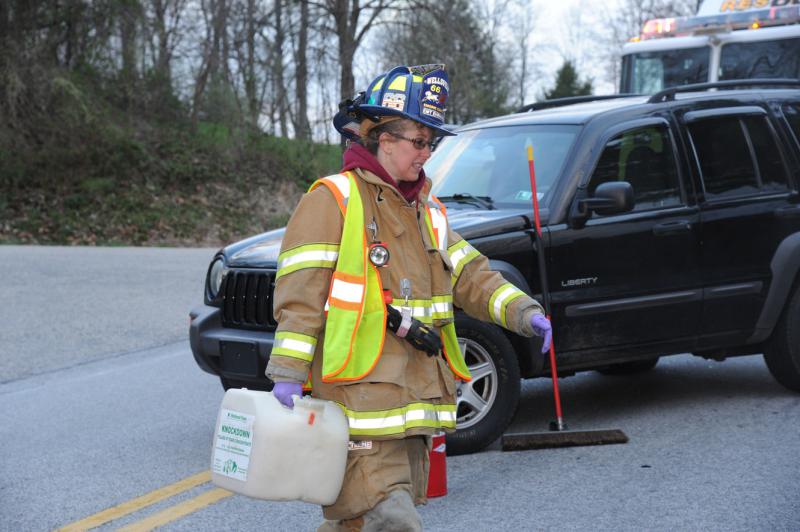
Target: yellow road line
{"type": "Point", "coordinates": [134, 505]}
{"type": "Point", "coordinates": [179, 510]}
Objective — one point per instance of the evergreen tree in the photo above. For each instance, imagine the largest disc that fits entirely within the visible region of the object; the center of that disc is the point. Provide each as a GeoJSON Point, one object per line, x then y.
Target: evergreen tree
{"type": "Point", "coordinates": [568, 84]}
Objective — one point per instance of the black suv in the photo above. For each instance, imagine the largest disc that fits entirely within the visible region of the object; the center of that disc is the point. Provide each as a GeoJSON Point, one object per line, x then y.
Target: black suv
{"type": "Point", "coordinates": [703, 260]}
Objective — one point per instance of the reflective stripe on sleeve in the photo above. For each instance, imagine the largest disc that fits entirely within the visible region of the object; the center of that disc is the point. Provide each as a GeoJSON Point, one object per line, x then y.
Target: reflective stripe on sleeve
{"type": "Point", "coordinates": [461, 253]}
{"type": "Point", "coordinates": [307, 256]}
{"type": "Point", "coordinates": [498, 303]}
{"type": "Point", "coordinates": [294, 345]}
{"type": "Point", "coordinates": [398, 420]}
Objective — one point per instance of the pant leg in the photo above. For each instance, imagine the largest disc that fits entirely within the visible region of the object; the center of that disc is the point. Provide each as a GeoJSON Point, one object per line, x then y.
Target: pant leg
{"type": "Point", "coordinates": [372, 474]}
{"type": "Point", "coordinates": [418, 449]}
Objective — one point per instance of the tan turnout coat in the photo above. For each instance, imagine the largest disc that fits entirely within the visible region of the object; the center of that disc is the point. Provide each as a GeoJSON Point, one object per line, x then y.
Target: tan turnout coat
{"type": "Point", "coordinates": [403, 374]}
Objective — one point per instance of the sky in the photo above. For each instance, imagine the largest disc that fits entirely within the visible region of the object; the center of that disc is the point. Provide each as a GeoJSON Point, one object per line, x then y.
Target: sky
{"type": "Point", "coordinates": [561, 40]}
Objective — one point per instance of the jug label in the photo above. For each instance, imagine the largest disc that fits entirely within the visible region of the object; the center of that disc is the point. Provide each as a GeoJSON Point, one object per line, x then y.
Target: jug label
{"type": "Point", "coordinates": [233, 444]}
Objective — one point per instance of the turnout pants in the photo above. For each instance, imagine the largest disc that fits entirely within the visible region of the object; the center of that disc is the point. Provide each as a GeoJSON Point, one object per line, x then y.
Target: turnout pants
{"type": "Point", "coordinates": [368, 500]}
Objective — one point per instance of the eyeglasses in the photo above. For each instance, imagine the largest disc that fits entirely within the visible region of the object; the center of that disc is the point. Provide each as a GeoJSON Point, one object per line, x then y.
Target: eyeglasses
{"type": "Point", "coordinates": [419, 143]}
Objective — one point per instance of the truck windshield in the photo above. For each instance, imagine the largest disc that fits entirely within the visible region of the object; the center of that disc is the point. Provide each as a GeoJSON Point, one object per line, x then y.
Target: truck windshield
{"type": "Point", "coordinates": [649, 72]}
{"type": "Point", "coordinates": [765, 59]}
{"type": "Point", "coordinates": [492, 163]}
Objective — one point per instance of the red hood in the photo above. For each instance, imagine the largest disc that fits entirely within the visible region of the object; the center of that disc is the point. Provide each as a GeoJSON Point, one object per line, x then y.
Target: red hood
{"type": "Point", "coordinates": [357, 156]}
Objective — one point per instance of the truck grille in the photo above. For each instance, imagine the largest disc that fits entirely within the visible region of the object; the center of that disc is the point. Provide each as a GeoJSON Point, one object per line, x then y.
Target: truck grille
{"type": "Point", "coordinates": [247, 300]}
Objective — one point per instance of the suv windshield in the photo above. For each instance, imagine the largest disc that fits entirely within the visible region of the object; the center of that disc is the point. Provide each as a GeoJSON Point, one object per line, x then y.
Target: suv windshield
{"type": "Point", "coordinates": [649, 72]}
{"type": "Point", "coordinates": [492, 164]}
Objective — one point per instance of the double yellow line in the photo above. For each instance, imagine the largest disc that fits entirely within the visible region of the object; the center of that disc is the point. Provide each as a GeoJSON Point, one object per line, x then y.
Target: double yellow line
{"type": "Point", "coordinates": [158, 519]}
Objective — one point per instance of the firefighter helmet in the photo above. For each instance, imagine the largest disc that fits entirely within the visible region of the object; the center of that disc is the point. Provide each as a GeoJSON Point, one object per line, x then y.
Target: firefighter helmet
{"type": "Point", "coordinates": [418, 93]}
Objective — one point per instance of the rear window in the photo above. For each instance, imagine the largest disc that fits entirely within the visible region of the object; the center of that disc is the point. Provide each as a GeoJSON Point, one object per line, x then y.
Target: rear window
{"type": "Point", "coordinates": [792, 114]}
{"type": "Point", "coordinates": [737, 156]}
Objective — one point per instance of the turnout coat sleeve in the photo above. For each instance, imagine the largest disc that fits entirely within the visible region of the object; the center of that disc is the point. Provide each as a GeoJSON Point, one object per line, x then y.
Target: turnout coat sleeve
{"type": "Point", "coordinates": [484, 294]}
{"type": "Point", "coordinates": [305, 265]}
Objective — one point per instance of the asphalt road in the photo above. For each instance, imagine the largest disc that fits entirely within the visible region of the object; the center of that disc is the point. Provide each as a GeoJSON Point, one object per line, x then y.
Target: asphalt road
{"type": "Point", "coordinates": [713, 445]}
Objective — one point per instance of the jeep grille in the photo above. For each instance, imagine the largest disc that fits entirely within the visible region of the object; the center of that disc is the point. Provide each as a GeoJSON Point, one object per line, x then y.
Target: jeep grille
{"type": "Point", "coordinates": [247, 300]}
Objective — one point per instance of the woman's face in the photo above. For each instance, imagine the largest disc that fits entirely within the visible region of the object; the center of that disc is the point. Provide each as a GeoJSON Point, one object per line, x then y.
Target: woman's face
{"type": "Point", "coordinates": [400, 157]}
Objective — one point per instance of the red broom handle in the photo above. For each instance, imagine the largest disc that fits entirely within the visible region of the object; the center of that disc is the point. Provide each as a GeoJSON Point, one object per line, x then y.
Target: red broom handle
{"type": "Point", "coordinates": [545, 288]}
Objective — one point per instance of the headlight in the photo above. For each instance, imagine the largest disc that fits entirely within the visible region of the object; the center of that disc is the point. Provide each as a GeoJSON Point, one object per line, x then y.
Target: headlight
{"type": "Point", "coordinates": [215, 277]}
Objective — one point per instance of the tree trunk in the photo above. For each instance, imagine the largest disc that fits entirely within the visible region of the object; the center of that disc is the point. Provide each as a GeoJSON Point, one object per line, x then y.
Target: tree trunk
{"type": "Point", "coordinates": [128, 18]}
{"type": "Point", "coordinates": [253, 108]}
{"type": "Point", "coordinates": [280, 95]}
{"type": "Point", "coordinates": [301, 126]}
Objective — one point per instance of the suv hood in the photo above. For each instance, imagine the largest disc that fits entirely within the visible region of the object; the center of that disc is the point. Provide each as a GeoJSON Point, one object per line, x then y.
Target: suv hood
{"type": "Point", "coordinates": [475, 223]}
{"type": "Point", "coordinates": [261, 251]}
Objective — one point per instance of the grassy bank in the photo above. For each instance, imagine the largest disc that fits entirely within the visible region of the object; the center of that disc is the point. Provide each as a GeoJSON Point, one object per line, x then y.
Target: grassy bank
{"type": "Point", "coordinates": [86, 172]}
{"type": "Point", "coordinates": [145, 184]}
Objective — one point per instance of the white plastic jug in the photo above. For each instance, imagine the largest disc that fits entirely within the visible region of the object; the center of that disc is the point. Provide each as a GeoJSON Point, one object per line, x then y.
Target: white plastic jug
{"type": "Point", "coordinates": [265, 450]}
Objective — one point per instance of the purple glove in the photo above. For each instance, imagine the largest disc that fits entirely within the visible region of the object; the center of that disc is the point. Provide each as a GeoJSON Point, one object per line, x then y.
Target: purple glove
{"type": "Point", "coordinates": [283, 392]}
{"type": "Point", "coordinates": [541, 326]}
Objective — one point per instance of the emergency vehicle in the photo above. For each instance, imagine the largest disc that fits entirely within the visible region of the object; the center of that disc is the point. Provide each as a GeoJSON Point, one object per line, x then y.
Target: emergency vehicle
{"type": "Point", "coordinates": [727, 39]}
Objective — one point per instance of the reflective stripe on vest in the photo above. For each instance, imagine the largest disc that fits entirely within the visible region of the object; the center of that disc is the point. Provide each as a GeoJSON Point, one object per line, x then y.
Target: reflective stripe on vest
{"type": "Point", "coordinates": [498, 303]}
{"type": "Point", "coordinates": [356, 323]}
{"type": "Point", "coordinates": [437, 222]}
{"type": "Point", "coordinates": [398, 420]}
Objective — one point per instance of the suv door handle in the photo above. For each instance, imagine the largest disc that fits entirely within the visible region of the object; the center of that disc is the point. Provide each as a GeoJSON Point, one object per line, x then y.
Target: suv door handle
{"type": "Point", "coordinates": [679, 226]}
{"type": "Point", "coordinates": [788, 212]}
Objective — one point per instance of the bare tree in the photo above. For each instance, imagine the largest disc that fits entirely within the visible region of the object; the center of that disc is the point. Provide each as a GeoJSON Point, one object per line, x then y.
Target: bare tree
{"type": "Point", "coordinates": [350, 30]}
{"type": "Point", "coordinates": [215, 14]}
{"type": "Point", "coordinates": [627, 22]}
{"type": "Point", "coordinates": [480, 74]}
{"type": "Point", "coordinates": [278, 67]}
{"type": "Point", "coordinates": [302, 129]}
{"type": "Point", "coordinates": [522, 24]}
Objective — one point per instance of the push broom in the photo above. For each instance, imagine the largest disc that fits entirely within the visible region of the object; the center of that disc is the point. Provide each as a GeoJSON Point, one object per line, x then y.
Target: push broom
{"type": "Point", "coordinates": [558, 436]}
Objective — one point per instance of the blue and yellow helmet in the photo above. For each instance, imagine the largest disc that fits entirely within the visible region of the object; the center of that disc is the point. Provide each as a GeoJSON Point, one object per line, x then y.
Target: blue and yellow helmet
{"type": "Point", "coordinates": [418, 93]}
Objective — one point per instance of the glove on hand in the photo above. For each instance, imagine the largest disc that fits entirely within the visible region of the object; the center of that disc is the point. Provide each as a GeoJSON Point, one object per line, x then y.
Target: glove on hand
{"type": "Point", "coordinates": [283, 392]}
{"type": "Point", "coordinates": [541, 326]}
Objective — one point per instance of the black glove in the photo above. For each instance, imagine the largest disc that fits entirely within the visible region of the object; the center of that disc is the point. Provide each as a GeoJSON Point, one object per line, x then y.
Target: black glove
{"type": "Point", "coordinates": [419, 335]}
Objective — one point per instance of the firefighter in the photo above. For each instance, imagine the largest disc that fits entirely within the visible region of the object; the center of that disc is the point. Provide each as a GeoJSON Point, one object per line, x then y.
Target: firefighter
{"type": "Point", "coordinates": [368, 275]}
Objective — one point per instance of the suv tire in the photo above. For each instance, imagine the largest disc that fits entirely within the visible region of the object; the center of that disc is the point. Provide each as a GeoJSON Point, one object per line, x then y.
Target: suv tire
{"type": "Point", "coordinates": [486, 404]}
{"type": "Point", "coordinates": [782, 353]}
{"type": "Point", "coordinates": [629, 368]}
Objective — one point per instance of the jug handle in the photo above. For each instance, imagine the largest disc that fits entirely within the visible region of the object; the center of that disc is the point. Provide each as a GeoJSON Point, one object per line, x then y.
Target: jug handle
{"type": "Point", "coordinates": [316, 406]}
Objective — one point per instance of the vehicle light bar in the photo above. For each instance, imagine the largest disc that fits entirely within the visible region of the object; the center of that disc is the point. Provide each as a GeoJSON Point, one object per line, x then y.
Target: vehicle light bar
{"type": "Point", "coordinates": [754, 19]}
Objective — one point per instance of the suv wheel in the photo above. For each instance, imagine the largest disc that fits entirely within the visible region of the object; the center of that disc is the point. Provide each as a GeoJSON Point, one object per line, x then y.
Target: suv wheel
{"type": "Point", "coordinates": [629, 368]}
{"type": "Point", "coordinates": [782, 353]}
{"type": "Point", "coordinates": [485, 405]}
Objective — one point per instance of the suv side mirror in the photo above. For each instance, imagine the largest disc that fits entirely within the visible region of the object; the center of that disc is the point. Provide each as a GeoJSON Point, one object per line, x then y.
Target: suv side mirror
{"type": "Point", "coordinates": [609, 198]}
{"type": "Point", "coordinates": [612, 197]}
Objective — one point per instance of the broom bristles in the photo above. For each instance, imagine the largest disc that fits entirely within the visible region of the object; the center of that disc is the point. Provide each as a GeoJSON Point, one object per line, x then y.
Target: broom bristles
{"type": "Point", "coordinates": [522, 441]}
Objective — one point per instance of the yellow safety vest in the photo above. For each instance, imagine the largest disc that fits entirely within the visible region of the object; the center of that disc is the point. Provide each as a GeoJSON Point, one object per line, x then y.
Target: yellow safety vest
{"type": "Point", "coordinates": [356, 323]}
